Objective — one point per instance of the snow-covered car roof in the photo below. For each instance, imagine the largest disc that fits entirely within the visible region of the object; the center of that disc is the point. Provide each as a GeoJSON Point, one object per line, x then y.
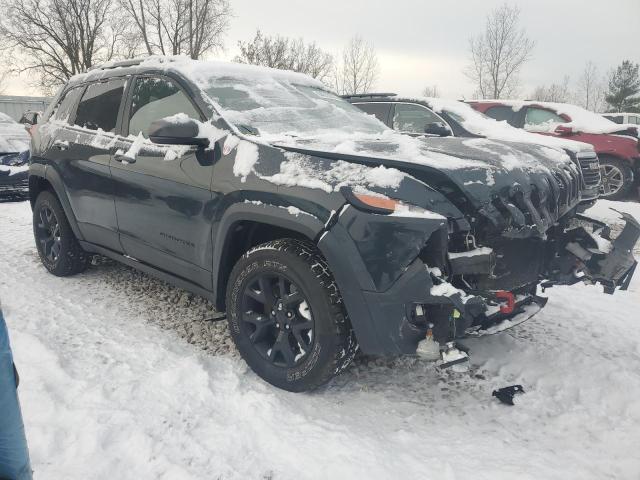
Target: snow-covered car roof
{"type": "Point", "coordinates": [480, 124]}
{"type": "Point", "coordinates": [13, 137]}
{"type": "Point", "coordinates": [582, 120]}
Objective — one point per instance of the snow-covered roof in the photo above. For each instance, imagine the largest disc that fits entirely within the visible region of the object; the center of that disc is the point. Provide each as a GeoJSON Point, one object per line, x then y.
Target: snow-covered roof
{"type": "Point", "coordinates": [480, 124]}
{"type": "Point", "coordinates": [582, 120]}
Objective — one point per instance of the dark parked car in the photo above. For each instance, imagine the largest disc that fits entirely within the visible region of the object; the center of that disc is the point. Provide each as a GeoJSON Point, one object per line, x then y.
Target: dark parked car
{"type": "Point", "coordinates": [441, 117]}
{"type": "Point", "coordinates": [14, 158]}
{"type": "Point", "coordinates": [315, 227]}
{"type": "Point", "coordinates": [616, 145]}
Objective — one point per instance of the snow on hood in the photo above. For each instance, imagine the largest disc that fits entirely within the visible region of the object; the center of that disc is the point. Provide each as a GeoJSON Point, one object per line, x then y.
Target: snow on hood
{"type": "Point", "coordinates": [13, 137]}
{"type": "Point", "coordinates": [582, 120]}
{"type": "Point", "coordinates": [480, 124]}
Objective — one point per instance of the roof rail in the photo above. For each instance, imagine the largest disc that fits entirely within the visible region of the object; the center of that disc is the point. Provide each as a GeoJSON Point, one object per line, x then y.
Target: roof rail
{"type": "Point", "coordinates": [121, 63]}
{"type": "Point", "coordinates": [367, 95]}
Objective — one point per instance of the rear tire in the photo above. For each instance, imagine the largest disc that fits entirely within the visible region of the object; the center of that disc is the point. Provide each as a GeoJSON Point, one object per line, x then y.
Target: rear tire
{"type": "Point", "coordinates": [286, 316]}
{"type": "Point", "coordinates": [58, 247]}
{"type": "Point", "coordinates": [617, 178]}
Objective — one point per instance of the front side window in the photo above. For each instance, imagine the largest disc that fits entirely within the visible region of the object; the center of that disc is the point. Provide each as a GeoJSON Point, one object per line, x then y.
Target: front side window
{"type": "Point", "coordinates": [541, 116]}
{"type": "Point", "coordinates": [413, 118]}
{"type": "Point", "coordinates": [155, 98]}
{"type": "Point", "coordinates": [65, 106]}
{"type": "Point", "coordinates": [500, 113]}
{"type": "Point", "coordinates": [98, 109]}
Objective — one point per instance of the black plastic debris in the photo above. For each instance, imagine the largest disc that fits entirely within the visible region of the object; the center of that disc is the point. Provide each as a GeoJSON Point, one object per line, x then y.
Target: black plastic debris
{"type": "Point", "coordinates": [506, 394]}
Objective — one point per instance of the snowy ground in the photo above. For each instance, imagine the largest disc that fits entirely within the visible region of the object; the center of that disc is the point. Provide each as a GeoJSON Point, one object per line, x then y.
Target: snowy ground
{"type": "Point", "coordinates": [126, 377]}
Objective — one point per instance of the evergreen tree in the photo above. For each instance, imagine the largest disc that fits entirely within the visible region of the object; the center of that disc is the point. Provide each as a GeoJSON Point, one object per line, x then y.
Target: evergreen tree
{"type": "Point", "coordinates": [624, 88]}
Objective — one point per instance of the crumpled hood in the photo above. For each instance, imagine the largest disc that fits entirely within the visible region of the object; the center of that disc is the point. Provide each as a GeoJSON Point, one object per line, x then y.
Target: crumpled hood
{"type": "Point", "coordinates": [478, 166]}
{"type": "Point", "coordinates": [531, 185]}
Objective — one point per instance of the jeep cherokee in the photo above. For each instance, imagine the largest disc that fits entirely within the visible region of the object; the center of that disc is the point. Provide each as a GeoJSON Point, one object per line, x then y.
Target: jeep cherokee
{"type": "Point", "coordinates": [316, 228]}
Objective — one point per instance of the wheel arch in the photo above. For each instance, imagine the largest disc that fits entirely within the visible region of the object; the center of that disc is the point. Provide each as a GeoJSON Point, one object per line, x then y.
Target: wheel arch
{"type": "Point", "coordinates": [42, 178]}
{"type": "Point", "coordinates": [246, 225]}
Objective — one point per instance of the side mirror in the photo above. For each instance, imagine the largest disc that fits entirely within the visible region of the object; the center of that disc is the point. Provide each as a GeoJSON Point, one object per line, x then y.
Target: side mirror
{"type": "Point", "coordinates": [437, 128]}
{"type": "Point", "coordinates": [564, 130]}
{"type": "Point", "coordinates": [177, 131]}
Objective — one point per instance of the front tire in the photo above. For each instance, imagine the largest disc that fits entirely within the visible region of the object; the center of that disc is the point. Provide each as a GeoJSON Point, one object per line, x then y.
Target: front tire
{"type": "Point", "coordinates": [286, 316]}
{"type": "Point", "coordinates": [617, 178]}
{"type": "Point", "coordinates": [58, 247]}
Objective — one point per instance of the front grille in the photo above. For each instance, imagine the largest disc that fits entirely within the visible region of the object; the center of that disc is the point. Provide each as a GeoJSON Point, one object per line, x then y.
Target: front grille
{"type": "Point", "coordinates": [590, 166]}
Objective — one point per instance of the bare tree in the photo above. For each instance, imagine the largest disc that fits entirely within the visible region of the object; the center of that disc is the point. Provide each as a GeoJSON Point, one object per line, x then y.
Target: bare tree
{"type": "Point", "coordinates": [498, 54]}
{"type": "Point", "coordinates": [556, 92]}
{"type": "Point", "coordinates": [175, 27]}
{"type": "Point", "coordinates": [591, 89]}
{"type": "Point", "coordinates": [55, 39]}
{"type": "Point", "coordinates": [3, 77]}
{"type": "Point", "coordinates": [431, 91]}
{"type": "Point", "coordinates": [358, 70]}
{"type": "Point", "coordinates": [286, 54]}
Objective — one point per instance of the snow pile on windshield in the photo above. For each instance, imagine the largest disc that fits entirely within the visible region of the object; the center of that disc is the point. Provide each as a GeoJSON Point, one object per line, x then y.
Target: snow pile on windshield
{"type": "Point", "coordinates": [582, 120]}
{"type": "Point", "coordinates": [13, 137]}
{"type": "Point", "coordinates": [481, 124]}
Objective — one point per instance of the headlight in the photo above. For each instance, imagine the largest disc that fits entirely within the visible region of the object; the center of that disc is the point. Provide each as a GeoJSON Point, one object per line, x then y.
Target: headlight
{"type": "Point", "coordinates": [15, 159]}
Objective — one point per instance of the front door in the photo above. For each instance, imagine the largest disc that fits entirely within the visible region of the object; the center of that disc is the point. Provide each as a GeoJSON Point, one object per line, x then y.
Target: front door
{"type": "Point", "coordinates": [162, 191]}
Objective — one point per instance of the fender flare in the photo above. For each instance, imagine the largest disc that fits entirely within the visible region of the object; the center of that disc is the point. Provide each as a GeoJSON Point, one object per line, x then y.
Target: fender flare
{"type": "Point", "coordinates": [50, 174]}
{"type": "Point", "coordinates": [305, 224]}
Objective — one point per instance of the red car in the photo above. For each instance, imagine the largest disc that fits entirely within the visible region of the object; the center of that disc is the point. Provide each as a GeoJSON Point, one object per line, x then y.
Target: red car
{"type": "Point", "coordinates": [616, 145]}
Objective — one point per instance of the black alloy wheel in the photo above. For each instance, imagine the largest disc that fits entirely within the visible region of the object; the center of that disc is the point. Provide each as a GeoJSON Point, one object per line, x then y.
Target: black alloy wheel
{"type": "Point", "coordinates": [279, 322]}
{"type": "Point", "coordinates": [48, 234]}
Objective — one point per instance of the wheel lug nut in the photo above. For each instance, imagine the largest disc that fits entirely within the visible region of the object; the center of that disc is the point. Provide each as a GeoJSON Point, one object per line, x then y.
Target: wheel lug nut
{"type": "Point", "coordinates": [289, 314]}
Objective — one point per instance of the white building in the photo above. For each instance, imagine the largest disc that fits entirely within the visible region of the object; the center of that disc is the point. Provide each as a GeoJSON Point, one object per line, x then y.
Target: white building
{"type": "Point", "coordinates": [15, 106]}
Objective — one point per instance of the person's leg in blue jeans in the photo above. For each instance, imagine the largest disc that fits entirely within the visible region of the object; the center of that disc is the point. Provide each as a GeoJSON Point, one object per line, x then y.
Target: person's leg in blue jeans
{"type": "Point", "coordinates": [14, 456]}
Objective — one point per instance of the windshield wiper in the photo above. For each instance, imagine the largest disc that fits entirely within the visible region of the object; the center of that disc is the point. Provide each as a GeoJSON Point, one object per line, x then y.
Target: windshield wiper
{"type": "Point", "coordinates": [249, 130]}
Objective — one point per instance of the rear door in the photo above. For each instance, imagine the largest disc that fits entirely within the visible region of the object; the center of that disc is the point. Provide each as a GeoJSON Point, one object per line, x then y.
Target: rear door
{"type": "Point", "coordinates": [162, 191]}
{"type": "Point", "coordinates": [82, 142]}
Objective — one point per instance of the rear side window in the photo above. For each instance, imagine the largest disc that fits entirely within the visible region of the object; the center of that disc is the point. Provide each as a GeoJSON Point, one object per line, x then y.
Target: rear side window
{"type": "Point", "coordinates": [413, 118]}
{"type": "Point", "coordinates": [380, 110]}
{"type": "Point", "coordinates": [65, 107]}
{"type": "Point", "coordinates": [99, 106]}
{"type": "Point", "coordinates": [156, 98]}
{"type": "Point", "coordinates": [500, 113]}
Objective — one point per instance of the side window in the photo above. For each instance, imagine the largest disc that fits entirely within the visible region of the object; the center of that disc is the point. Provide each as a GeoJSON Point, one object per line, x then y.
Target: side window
{"type": "Point", "coordinates": [380, 110]}
{"type": "Point", "coordinates": [500, 113]}
{"type": "Point", "coordinates": [156, 98]}
{"type": "Point", "coordinates": [616, 119]}
{"type": "Point", "coordinates": [541, 116]}
{"type": "Point", "coordinates": [413, 118]}
{"type": "Point", "coordinates": [65, 107]}
{"type": "Point", "coordinates": [99, 106]}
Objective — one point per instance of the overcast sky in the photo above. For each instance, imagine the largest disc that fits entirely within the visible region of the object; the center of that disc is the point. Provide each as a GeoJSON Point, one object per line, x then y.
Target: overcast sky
{"type": "Point", "coordinates": [422, 43]}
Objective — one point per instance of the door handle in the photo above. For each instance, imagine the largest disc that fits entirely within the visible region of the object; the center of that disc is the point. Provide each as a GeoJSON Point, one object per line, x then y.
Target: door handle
{"type": "Point", "coordinates": [124, 159]}
{"type": "Point", "coordinates": [61, 145]}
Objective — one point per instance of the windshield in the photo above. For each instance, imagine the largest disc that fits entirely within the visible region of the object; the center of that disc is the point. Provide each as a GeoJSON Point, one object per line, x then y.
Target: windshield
{"type": "Point", "coordinates": [277, 107]}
